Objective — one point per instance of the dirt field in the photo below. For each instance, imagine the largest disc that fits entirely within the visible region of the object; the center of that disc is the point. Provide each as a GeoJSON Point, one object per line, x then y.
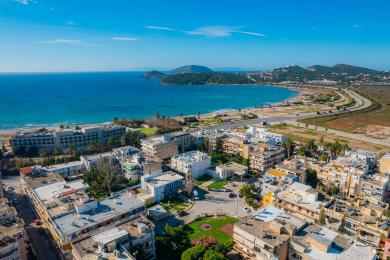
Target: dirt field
{"type": "Point", "coordinates": [375, 123]}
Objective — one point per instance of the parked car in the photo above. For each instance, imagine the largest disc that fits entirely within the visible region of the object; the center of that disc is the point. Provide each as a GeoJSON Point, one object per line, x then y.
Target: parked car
{"type": "Point", "coordinates": [232, 195]}
{"type": "Point", "coordinates": [37, 222]}
{"type": "Point", "coordinates": [196, 195]}
{"type": "Point", "coordinates": [246, 209]}
{"type": "Point", "coordinates": [182, 213]}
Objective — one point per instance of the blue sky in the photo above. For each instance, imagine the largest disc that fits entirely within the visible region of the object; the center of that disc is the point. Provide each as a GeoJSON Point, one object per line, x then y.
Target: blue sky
{"type": "Point", "coordinates": [105, 35]}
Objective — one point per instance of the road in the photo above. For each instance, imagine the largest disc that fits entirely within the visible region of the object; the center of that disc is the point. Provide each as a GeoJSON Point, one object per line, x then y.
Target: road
{"type": "Point", "coordinates": [42, 244]}
{"type": "Point", "coordinates": [361, 103]}
{"type": "Point", "coordinates": [209, 203]}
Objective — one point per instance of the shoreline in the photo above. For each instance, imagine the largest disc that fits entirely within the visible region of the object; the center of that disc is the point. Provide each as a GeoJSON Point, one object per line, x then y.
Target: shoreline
{"type": "Point", "coordinates": [6, 133]}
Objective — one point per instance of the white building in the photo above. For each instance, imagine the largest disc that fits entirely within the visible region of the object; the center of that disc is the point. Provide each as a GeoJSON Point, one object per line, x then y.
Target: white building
{"type": "Point", "coordinates": [266, 136]}
{"type": "Point", "coordinates": [65, 139]}
{"type": "Point", "coordinates": [67, 169]}
{"type": "Point", "coordinates": [195, 162]}
{"type": "Point", "coordinates": [89, 161]}
{"type": "Point", "coordinates": [162, 186]}
{"type": "Point", "coordinates": [229, 170]}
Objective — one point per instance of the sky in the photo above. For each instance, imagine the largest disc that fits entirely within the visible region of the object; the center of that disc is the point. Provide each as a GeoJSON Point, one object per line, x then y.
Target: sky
{"type": "Point", "coordinates": [110, 35]}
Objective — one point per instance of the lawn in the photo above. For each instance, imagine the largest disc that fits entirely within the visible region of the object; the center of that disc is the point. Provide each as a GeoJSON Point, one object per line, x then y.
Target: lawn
{"type": "Point", "coordinates": [177, 204]}
{"type": "Point", "coordinates": [203, 179]}
{"type": "Point", "coordinates": [218, 184]}
{"type": "Point", "coordinates": [148, 131]}
{"type": "Point", "coordinates": [194, 231]}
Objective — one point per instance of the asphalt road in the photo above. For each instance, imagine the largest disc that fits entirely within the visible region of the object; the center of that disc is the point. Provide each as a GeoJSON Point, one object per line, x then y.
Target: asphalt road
{"type": "Point", "coordinates": [42, 245]}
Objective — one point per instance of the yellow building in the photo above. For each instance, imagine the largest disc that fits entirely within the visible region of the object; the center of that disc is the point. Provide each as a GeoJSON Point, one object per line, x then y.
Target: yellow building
{"type": "Point", "coordinates": [384, 163]}
{"type": "Point", "coordinates": [268, 199]}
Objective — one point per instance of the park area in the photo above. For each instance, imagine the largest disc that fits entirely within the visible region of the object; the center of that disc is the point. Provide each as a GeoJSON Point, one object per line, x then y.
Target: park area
{"type": "Point", "coordinates": [218, 184]}
{"type": "Point", "coordinates": [218, 228]}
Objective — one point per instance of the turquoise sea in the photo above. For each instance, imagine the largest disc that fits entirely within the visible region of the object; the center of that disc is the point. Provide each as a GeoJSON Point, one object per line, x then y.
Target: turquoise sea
{"type": "Point", "coordinates": [75, 98]}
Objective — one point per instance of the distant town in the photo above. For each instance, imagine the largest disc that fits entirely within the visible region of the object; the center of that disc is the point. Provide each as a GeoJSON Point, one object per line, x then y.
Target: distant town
{"type": "Point", "coordinates": [281, 181]}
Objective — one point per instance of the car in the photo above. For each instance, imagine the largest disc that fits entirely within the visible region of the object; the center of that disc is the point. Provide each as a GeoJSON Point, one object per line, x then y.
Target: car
{"type": "Point", "coordinates": [182, 213]}
{"type": "Point", "coordinates": [10, 188]}
{"type": "Point", "coordinates": [246, 209]}
{"type": "Point", "coordinates": [232, 195]}
{"type": "Point", "coordinates": [37, 222]}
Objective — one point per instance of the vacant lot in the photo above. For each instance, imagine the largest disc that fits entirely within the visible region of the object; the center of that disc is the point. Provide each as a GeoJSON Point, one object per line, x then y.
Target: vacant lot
{"type": "Point", "coordinates": [218, 184]}
{"type": "Point", "coordinates": [301, 134]}
{"type": "Point", "coordinates": [373, 122]}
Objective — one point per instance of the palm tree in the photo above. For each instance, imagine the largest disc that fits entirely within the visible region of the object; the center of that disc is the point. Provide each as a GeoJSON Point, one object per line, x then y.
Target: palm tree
{"type": "Point", "coordinates": [311, 147]}
{"type": "Point", "coordinates": [289, 146]}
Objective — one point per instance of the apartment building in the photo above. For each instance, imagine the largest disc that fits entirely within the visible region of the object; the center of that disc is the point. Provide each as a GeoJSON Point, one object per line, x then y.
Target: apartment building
{"type": "Point", "coordinates": [266, 235]}
{"type": "Point", "coordinates": [90, 161]}
{"type": "Point", "coordinates": [13, 244]}
{"type": "Point", "coordinates": [194, 161]}
{"type": "Point", "coordinates": [366, 221]}
{"type": "Point", "coordinates": [264, 135]}
{"type": "Point", "coordinates": [315, 242]}
{"type": "Point", "coordinates": [234, 145]}
{"type": "Point", "coordinates": [302, 200]}
{"type": "Point", "coordinates": [71, 215]}
{"type": "Point", "coordinates": [160, 147]}
{"type": "Point", "coordinates": [137, 165]}
{"type": "Point", "coordinates": [264, 156]}
{"type": "Point", "coordinates": [120, 242]}
{"type": "Point", "coordinates": [375, 187]}
{"type": "Point", "coordinates": [66, 139]}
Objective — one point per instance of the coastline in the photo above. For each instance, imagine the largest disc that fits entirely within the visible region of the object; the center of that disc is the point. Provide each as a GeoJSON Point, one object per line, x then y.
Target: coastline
{"type": "Point", "coordinates": [5, 134]}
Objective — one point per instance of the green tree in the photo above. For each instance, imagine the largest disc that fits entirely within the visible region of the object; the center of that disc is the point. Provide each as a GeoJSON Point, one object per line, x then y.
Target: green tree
{"type": "Point", "coordinates": [194, 253]}
{"type": "Point", "coordinates": [172, 243]}
{"type": "Point", "coordinates": [324, 157]}
{"type": "Point", "coordinates": [289, 146]}
{"type": "Point", "coordinates": [131, 138]}
{"type": "Point", "coordinates": [212, 254]}
{"type": "Point", "coordinates": [311, 177]}
{"type": "Point", "coordinates": [311, 148]}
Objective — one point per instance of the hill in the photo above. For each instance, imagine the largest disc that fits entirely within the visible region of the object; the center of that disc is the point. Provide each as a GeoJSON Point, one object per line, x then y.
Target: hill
{"type": "Point", "coordinates": [190, 69]}
{"type": "Point", "coordinates": [154, 74]}
{"type": "Point", "coordinates": [206, 78]}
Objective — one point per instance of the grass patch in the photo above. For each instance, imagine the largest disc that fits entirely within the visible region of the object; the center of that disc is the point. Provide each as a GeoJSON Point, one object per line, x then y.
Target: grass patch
{"type": "Point", "coordinates": [177, 204]}
{"type": "Point", "coordinates": [311, 132]}
{"type": "Point", "coordinates": [194, 232]}
{"type": "Point", "coordinates": [218, 184]}
{"type": "Point", "coordinates": [100, 196]}
{"type": "Point", "coordinates": [203, 179]}
{"type": "Point", "coordinates": [148, 131]}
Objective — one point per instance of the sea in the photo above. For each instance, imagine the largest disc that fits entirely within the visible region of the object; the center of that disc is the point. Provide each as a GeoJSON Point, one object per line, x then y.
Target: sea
{"type": "Point", "coordinates": [48, 99]}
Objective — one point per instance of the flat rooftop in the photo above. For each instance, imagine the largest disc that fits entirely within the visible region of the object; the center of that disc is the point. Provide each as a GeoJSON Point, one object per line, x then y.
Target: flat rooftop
{"type": "Point", "coordinates": [271, 213]}
{"type": "Point", "coordinates": [107, 209]}
{"type": "Point", "coordinates": [191, 157]}
{"type": "Point", "coordinates": [324, 244]}
{"type": "Point", "coordinates": [234, 167]}
{"type": "Point", "coordinates": [48, 193]}
{"type": "Point", "coordinates": [164, 179]}
{"type": "Point", "coordinates": [265, 231]}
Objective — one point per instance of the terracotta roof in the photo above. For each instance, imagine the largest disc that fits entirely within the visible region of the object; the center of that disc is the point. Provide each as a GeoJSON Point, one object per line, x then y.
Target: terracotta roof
{"type": "Point", "coordinates": [26, 171]}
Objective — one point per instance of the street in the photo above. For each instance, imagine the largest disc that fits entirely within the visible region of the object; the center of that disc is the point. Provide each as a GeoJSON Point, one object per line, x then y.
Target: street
{"type": "Point", "coordinates": [42, 245]}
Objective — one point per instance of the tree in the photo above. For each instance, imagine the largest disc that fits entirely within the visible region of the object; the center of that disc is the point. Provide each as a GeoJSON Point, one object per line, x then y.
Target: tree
{"type": "Point", "coordinates": [172, 243]}
{"type": "Point", "coordinates": [289, 146]}
{"type": "Point", "coordinates": [324, 157]}
{"type": "Point", "coordinates": [131, 138]}
{"type": "Point", "coordinates": [212, 254]}
{"type": "Point", "coordinates": [311, 147]}
{"type": "Point", "coordinates": [194, 253]}
{"type": "Point", "coordinates": [311, 177]}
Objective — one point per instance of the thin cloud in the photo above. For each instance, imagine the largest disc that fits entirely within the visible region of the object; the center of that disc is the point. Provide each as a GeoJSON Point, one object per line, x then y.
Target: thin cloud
{"type": "Point", "coordinates": [26, 2]}
{"type": "Point", "coordinates": [162, 28]}
{"type": "Point", "coordinates": [251, 33]}
{"type": "Point", "coordinates": [356, 26]}
{"type": "Point", "coordinates": [210, 31]}
{"type": "Point", "coordinates": [69, 42]}
{"type": "Point", "coordinates": [124, 38]}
